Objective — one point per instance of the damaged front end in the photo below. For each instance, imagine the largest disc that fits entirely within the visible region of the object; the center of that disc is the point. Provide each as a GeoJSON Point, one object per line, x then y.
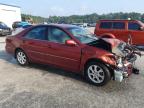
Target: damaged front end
{"type": "Point", "coordinates": [122, 70]}
{"type": "Point", "coordinates": [122, 58]}
{"type": "Point", "coordinates": [126, 55]}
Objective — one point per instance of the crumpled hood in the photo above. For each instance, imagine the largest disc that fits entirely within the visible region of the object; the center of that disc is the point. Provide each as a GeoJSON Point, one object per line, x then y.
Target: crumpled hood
{"type": "Point", "coordinates": [114, 42]}
{"type": "Point", "coordinates": [111, 45]}
{"type": "Point", "coordinates": [117, 46]}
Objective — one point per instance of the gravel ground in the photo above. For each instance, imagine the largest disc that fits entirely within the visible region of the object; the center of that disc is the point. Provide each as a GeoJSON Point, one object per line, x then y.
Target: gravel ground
{"type": "Point", "coordinates": [39, 86]}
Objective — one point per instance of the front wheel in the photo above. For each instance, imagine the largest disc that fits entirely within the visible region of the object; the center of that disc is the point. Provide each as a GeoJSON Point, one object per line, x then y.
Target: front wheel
{"type": "Point", "coordinates": [22, 58]}
{"type": "Point", "coordinates": [97, 73]}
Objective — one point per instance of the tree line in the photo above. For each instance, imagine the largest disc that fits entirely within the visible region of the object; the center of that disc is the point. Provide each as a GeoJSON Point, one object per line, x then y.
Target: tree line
{"type": "Point", "coordinates": [35, 19]}
{"type": "Point", "coordinates": [91, 18]}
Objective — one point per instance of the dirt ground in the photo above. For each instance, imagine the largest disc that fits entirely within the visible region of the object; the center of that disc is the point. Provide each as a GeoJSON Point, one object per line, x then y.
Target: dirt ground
{"type": "Point", "coordinates": [38, 86]}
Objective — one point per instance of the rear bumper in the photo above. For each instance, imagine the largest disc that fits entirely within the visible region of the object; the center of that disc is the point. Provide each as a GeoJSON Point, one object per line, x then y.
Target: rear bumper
{"type": "Point", "coordinates": [123, 72]}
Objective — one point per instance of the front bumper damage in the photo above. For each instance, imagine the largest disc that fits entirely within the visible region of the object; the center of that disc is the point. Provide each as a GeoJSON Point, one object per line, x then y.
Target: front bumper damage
{"type": "Point", "coordinates": [123, 71]}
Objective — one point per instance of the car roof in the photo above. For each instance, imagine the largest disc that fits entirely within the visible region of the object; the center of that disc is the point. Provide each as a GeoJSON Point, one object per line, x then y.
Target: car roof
{"type": "Point", "coordinates": [59, 25]}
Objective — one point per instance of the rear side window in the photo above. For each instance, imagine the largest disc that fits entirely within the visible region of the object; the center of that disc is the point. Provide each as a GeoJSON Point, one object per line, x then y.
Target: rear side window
{"type": "Point", "coordinates": [133, 26]}
{"type": "Point", "coordinates": [106, 25]}
{"type": "Point", "coordinates": [37, 33]}
{"type": "Point", "coordinates": [118, 25]}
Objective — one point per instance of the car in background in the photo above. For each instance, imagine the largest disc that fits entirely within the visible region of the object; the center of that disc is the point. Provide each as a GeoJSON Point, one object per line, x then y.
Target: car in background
{"type": "Point", "coordinates": [20, 29]}
{"type": "Point", "coordinates": [91, 24]}
{"type": "Point", "coordinates": [74, 49]}
{"type": "Point", "coordinates": [19, 24]}
{"type": "Point", "coordinates": [4, 29]}
{"type": "Point", "coordinates": [122, 29]}
{"type": "Point", "coordinates": [83, 25]}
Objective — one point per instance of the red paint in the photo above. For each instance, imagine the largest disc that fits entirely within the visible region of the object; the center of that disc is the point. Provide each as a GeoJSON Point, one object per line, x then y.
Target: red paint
{"type": "Point", "coordinates": [122, 34]}
{"type": "Point", "coordinates": [67, 56]}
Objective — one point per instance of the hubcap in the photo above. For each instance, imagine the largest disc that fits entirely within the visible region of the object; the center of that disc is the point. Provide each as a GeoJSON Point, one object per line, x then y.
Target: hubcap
{"type": "Point", "coordinates": [96, 74]}
{"type": "Point", "coordinates": [21, 57]}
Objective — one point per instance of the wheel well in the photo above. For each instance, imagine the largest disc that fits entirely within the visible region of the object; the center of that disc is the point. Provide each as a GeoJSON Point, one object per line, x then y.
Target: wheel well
{"type": "Point", "coordinates": [93, 60]}
{"type": "Point", "coordinates": [99, 61]}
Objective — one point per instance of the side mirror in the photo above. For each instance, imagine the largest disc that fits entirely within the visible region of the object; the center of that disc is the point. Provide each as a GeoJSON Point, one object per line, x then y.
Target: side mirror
{"type": "Point", "coordinates": [70, 42]}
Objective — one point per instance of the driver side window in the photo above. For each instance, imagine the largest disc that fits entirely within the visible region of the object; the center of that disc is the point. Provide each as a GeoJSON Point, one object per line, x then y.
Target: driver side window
{"type": "Point", "coordinates": [57, 35]}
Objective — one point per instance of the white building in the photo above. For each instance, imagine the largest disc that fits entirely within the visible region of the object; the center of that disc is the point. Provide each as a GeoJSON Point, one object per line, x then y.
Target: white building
{"type": "Point", "coordinates": [9, 14]}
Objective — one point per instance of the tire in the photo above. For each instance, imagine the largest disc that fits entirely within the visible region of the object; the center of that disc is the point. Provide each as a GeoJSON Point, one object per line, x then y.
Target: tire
{"type": "Point", "coordinates": [97, 74]}
{"type": "Point", "coordinates": [22, 58]}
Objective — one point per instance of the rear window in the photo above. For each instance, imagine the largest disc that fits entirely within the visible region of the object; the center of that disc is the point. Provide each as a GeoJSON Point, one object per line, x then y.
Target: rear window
{"type": "Point", "coordinates": [105, 25]}
{"type": "Point", "coordinates": [118, 25]}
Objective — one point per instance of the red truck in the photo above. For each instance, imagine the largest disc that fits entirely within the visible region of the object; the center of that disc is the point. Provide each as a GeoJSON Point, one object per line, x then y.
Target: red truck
{"type": "Point", "coordinates": [121, 29]}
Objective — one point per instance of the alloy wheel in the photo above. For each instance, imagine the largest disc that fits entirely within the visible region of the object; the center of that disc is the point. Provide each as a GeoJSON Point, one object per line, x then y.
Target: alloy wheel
{"type": "Point", "coordinates": [96, 74]}
{"type": "Point", "coordinates": [21, 58]}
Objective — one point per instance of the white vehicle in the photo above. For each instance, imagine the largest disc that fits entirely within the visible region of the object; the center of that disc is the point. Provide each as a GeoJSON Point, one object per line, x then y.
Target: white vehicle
{"type": "Point", "coordinates": [9, 14]}
{"type": "Point", "coordinates": [80, 24]}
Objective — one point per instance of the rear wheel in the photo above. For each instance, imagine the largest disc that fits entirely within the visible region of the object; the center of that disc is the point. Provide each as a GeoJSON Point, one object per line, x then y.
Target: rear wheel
{"type": "Point", "coordinates": [22, 58]}
{"type": "Point", "coordinates": [97, 73]}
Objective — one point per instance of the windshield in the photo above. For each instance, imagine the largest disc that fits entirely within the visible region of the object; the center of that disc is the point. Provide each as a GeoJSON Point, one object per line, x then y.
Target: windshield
{"type": "Point", "coordinates": [82, 35]}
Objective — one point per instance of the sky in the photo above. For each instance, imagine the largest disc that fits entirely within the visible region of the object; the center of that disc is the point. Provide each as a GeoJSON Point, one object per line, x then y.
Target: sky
{"type": "Point", "coordinates": [46, 8]}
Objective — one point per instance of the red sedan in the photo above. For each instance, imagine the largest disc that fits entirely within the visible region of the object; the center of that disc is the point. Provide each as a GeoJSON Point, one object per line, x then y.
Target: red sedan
{"type": "Point", "coordinates": [71, 48]}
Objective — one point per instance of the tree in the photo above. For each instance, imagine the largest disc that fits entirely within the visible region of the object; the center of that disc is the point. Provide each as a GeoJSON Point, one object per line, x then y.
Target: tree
{"type": "Point", "coordinates": [91, 18]}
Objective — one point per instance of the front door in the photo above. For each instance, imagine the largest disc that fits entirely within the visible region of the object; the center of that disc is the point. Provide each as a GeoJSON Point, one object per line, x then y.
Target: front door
{"type": "Point", "coordinates": [59, 53]}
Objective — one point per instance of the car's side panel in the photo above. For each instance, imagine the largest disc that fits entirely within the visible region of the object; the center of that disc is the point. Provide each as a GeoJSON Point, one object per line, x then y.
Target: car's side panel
{"type": "Point", "coordinates": [89, 53]}
{"type": "Point", "coordinates": [10, 47]}
{"type": "Point", "coordinates": [100, 32]}
{"type": "Point", "coordinates": [121, 34]}
{"type": "Point", "coordinates": [64, 56]}
{"type": "Point", "coordinates": [46, 52]}
{"type": "Point", "coordinates": [68, 57]}
{"type": "Point", "coordinates": [35, 49]}
{"type": "Point", "coordinates": [136, 35]}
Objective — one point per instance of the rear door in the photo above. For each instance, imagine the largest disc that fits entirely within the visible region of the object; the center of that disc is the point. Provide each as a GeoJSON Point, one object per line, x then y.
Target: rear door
{"type": "Point", "coordinates": [35, 44]}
